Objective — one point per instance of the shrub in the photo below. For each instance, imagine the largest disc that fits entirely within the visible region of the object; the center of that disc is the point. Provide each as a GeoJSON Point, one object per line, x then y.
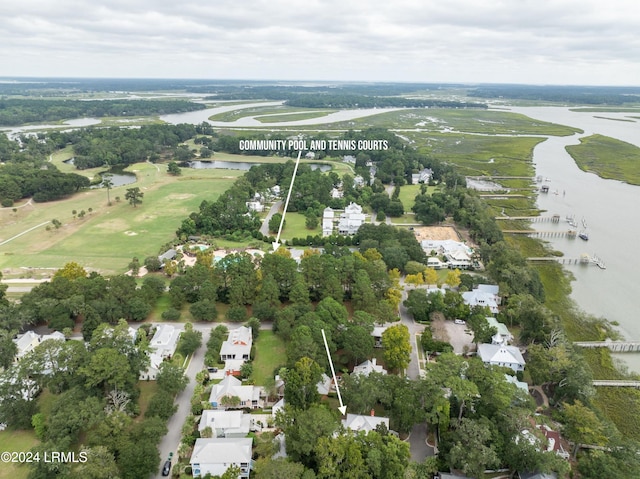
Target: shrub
{"type": "Point", "coordinates": [171, 314]}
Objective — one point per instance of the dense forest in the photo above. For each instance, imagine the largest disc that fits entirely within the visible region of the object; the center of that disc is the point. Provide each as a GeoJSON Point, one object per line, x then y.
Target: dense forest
{"type": "Point", "coordinates": [21, 111]}
{"type": "Point", "coordinates": [26, 173]}
{"type": "Point", "coordinates": [115, 146]}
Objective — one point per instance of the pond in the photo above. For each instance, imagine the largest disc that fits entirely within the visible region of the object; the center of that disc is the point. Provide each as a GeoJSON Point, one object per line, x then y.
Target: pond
{"type": "Point", "coordinates": [118, 176]}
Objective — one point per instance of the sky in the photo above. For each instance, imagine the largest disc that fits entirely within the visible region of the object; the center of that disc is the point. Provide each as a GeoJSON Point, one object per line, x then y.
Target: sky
{"type": "Point", "coordinates": [578, 42]}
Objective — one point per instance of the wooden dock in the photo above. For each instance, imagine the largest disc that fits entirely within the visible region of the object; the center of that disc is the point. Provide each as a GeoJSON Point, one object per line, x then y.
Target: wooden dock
{"type": "Point", "coordinates": [533, 219]}
{"type": "Point", "coordinates": [549, 233]}
{"type": "Point", "coordinates": [613, 346]}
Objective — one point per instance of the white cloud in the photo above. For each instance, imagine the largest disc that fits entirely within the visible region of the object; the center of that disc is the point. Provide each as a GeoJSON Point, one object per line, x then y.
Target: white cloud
{"type": "Point", "coordinates": [556, 41]}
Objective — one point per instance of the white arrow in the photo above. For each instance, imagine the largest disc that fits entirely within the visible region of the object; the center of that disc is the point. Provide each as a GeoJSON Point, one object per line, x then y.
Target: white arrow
{"type": "Point", "coordinates": [276, 243]}
{"type": "Point", "coordinates": [342, 408]}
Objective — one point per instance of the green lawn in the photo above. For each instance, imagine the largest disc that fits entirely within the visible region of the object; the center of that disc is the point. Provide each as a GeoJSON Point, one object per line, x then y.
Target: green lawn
{"type": "Point", "coordinates": [147, 390]}
{"type": "Point", "coordinates": [16, 441]}
{"type": "Point", "coordinates": [408, 194]}
{"type": "Point", "coordinates": [295, 226]}
{"type": "Point", "coordinates": [270, 353]}
{"type": "Point", "coordinates": [293, 116]}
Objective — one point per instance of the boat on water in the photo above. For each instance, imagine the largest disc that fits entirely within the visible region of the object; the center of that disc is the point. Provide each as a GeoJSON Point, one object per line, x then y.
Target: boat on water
{"type": "Point", "coordinates": [583, 236]}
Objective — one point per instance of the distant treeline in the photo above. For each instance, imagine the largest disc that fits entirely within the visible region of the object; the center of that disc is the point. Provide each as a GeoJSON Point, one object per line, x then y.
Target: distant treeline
{"type": "Point", "coordinates": [325, 97]}
{"type": "Point", "coordinates": [588, 95]}
{"type": "Point", "coordinates": [20, 111]}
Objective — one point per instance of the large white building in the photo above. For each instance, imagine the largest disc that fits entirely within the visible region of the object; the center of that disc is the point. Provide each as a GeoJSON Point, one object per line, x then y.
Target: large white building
{"type": "Point", "coordinates": [351, 220]}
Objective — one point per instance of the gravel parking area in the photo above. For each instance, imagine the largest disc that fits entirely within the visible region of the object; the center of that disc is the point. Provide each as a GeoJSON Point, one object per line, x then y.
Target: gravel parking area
{"type": "Point", "coordinates": [456, 334]}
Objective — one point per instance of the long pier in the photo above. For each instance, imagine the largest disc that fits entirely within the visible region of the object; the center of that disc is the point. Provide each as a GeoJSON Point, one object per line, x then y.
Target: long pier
{"type": "Point", "coordinates": [614, 346]}
{"type": "Point", "coordinates": [616, 384]}
{"type": "Point", "coordinates": [533, 219]}
{"type": "Point", "coordinates": [548, 233]}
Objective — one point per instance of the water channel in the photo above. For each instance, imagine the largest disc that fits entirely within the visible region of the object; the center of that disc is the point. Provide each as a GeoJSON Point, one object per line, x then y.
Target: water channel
{"type": "Point", "coordinates": [610, 212]}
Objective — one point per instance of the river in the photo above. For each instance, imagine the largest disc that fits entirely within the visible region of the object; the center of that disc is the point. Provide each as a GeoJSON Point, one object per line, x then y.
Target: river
{"type": "Point", "coordinates": [611, 214]}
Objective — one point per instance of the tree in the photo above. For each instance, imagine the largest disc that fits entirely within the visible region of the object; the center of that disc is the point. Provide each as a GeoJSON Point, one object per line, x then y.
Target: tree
{"type": "Point", "coordinates": [303, 429]}
{"type": "Point", "coordinates": [161, 405]}
{"type": "Point", "coordinates": [397, 347]}
{"type": "Point", "coordinates": [472, 451]}
{"type": "Point", "coordinates": [109, 369]}
{"type": "Point", "coordinates": [173, 169]}
{"type": "Point", "coordinates": [204, 310]}
{"type": "Point", "coordinates": [300, 390]}
{"type": "Point", "coordinates": [108, 184]}
{"type": "Point", "coordinates": [358, 343]}
{"type": "Point", "coordinates": [274, 223]}
{"type": "Point", "coordinates": [100, 464]}
{"type": "Point", "coordinates": [134, 195]}
{"type": "Point", "coordinates": [190, 341]}
{"type": "Point", "coordinates": [171, 378]}
{"type": "Point", "coordinates": [582, 426]}
{"type": "Point", "coordinates": [453, 278]}
{"type": "Point", "coordinates": [71, 271]}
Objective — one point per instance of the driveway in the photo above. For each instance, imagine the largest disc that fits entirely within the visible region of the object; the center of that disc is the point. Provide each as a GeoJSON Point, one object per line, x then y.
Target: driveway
{"type": "Point", "coordinates": [415, 329]}
{"type": "Point", "coordinates": [264, 229]}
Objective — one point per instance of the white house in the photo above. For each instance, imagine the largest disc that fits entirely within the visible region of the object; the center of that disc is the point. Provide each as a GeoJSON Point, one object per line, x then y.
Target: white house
{"type": "Point", "coordinates": [225, 423]}
{"type": "Point", "coordinates": [357, 422]}
{"type": "Point", "coordinates": [325, 385]}
{"type": "Point", "coordinates": [368, 367]}
{"type": "Point", "coordinates": [501, 355]}
{"type": "Point", "coordinates": [350, 159]}
{"type": "Point", "coordinates": [457, 254]}
{"type": "Point", "coordinates": [351, 220]}
{"type": "Point", "coordinates": [483, 295]}
{"type": "Point", "coordinates": [423, 176]}
{"type": "Point", "coordinates": [327, 221]}
{"type": "Point", "coordinates": [162, 346]}
{"type": "Point", "coordinates": [237, 345]}
{"type": "Point", "coordinates": [27, 342]}
{"type": "Point", "coordinates": [255, 205]}
{"type": "Point", "coordinates": [503, 336]}
{"type": "Point", "coordinates": [377, 335]}
{"type": "Point", "coordinates": [231, 387]}
{"type": "Point", "coordinates": [215, 455]}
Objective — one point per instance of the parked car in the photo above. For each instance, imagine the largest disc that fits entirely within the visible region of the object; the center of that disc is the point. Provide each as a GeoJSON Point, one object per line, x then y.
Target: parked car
{"type": "Point", "coordinates": [459, 321]}
{"type": "Point", "coordinates": [166, 469]}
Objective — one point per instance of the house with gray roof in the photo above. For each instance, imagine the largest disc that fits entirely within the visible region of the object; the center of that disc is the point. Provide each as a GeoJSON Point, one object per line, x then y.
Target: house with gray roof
{"type": "Point", "coordinates": [162, 346]}
{"type": "Point", "coordinates": [368, 367]}
{"type": "Point", "coordinates": [230, 387]}
{"type": "Point", "coordinates": [501, 355]}
{"type": "Point", "coordinates": [237, 345]}
{"type": "Point", "coordinates": [225, 423]}
{"type": "Point", "coordinates": [215, 455]}
{"type": "Point", "coordinates": [357, 422]}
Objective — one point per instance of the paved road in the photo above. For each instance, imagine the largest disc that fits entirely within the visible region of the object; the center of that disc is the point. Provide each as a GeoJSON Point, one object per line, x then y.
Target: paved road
{"type": "Point", "coordinates": [413, 370]}
{"type": "Point", "coordinates": [418, 443]}
{"type": "Point", "coordinates": [264, 229]}
{"type": "Point", "coordinates": [171, 440]}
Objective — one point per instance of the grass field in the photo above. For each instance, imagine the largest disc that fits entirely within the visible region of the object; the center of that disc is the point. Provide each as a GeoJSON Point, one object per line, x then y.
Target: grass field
{"type": "Point", "coordinates": [16, 441]}
{"type": "Point", "coordinates": [305, 115]}
{"type": "Point", "coordinates": [147, 390]}
{"type": "Point", "coordinates": [608, 158]}
{"type": "Point", "coordinates": [295, 227]}
{"type": "Point", "coordinates": [261, 110]}
{"type": "Point", "coordinates": [270, 353]}
{"type": "Point", "coordinates": [408, 195]}
{"type": "Point", "coordinates": [488, 122]}
{"type": "Point", "coordinates": [110, 236]}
